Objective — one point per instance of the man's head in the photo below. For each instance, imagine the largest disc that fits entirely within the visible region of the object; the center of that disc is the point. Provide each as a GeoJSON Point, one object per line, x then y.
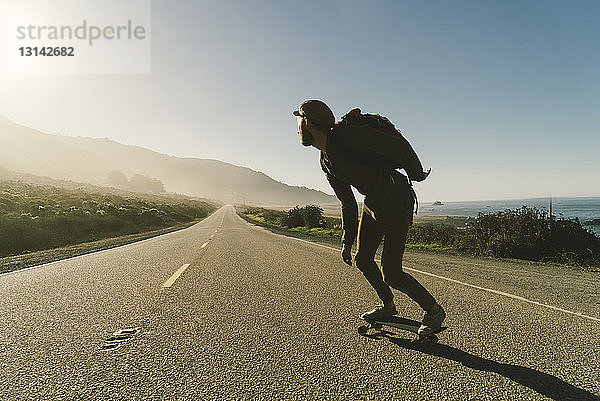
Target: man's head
{"type": "Point", "coordinates": [314, 118]}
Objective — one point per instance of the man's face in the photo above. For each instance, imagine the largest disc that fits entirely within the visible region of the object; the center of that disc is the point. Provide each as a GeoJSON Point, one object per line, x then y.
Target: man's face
{"type": "Point", "coordinates": [305, 137]}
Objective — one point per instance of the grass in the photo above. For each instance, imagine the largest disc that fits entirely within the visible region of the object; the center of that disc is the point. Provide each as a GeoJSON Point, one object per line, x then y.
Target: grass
{"type": "Point", "coordinates": [322, 232]}
{"type": "Point", "coordinates": [430, 247]}
{"type": "Point", "coordinates": [41, 217]}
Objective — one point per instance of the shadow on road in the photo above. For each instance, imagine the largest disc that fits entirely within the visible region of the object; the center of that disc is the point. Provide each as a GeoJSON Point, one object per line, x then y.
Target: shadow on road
{"type": "Point", "coordinates": [545, 384]}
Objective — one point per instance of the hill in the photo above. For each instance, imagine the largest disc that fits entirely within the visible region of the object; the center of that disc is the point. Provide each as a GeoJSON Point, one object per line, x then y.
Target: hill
{"type": "Point", "coordinates": [90, 160]}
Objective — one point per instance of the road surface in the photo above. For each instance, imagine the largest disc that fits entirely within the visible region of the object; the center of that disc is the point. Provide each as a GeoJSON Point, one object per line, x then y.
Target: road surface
{"type": "Point", "coordinates": [227, 310]}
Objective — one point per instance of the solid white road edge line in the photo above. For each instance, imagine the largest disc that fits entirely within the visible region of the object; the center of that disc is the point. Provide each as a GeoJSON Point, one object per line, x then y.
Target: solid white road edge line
{"type": "Point", "coordinates": [175, 275]}
{"type": "Point", "coordinates": [506, 294]}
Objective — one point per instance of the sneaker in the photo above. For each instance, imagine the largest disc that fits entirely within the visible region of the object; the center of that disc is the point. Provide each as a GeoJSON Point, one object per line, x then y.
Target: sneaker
{"type": "Point", "coordinates": [380, 312]}
{"type": "Point", "coordinates": [432, 321]}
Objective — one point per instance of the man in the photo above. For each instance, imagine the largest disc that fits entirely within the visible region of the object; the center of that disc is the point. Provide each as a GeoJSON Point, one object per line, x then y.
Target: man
{"type": "Point", "coordinates": [365, 158]}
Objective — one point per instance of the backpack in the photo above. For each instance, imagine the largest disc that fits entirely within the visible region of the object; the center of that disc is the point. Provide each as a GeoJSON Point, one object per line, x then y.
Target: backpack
{"type": "Point", "coordinates": [356, 118]}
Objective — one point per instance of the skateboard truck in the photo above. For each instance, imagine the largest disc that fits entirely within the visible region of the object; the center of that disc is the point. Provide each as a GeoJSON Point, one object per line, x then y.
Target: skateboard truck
{"type": "Point", "coordinates": [402, 324]}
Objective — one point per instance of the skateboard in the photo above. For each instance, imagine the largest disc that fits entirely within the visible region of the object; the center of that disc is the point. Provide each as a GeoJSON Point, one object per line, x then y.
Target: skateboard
{"type": "Point", "coordinates": [399, 323]}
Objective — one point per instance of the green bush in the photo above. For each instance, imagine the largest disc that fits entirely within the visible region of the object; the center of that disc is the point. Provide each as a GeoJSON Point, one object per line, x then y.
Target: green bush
{"type": "Point", "coordinates": [308, 216]}
{"type": "Point", "coordinates": [293, 218]}
{"type": "Point", "coordinates": [525, 233]}
{"type": "Point", "coordinates": [439, 234]}
{"type": "Point", "coordinates": [312, 215]}
{"type": "Point", "coordinates": [528, 233]}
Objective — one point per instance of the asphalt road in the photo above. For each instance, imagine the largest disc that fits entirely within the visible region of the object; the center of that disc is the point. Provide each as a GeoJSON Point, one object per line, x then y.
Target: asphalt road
{"type": "Point", "coordinates": [262, 316]}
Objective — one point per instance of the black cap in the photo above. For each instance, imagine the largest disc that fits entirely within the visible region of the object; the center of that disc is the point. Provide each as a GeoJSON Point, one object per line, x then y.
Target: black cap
{"type": "Point", "coordinates": [317, 112]}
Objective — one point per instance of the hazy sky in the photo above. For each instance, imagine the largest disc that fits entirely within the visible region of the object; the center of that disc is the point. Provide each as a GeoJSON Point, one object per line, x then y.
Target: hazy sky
{"type": "Point", "coordinates": [500, 98]}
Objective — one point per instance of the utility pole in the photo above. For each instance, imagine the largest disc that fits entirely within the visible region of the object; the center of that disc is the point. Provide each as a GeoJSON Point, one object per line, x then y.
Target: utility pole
{"type": "Point", "coordinates": [550, 217]}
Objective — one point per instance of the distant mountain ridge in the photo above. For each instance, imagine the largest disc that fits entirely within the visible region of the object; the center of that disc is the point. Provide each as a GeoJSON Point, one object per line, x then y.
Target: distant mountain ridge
{"type": "Point", "coordinates": [89, 160]}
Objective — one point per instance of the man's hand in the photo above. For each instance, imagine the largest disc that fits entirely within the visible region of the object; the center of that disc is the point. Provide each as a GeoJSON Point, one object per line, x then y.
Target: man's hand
{"type": "Point", "coordinates": [347, 254]}
{"type": "Point", "coordinates": [424, 176]}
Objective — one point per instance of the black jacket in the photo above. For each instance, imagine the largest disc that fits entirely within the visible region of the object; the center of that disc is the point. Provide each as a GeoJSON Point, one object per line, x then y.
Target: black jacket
{"type": "Point", "coordinates": [366, 159]}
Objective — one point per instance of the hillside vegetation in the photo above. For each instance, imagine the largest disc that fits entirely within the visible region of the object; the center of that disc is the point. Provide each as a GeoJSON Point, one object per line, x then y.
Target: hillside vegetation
{"type": "Point", "coordinates": [37, 217]}
{"type": "Point", "coordinates": [524, 233]}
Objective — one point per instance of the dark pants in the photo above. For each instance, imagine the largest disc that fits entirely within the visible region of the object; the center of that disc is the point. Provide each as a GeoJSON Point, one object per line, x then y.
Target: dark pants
{"type": "Point", "coordinates": [370, 233]}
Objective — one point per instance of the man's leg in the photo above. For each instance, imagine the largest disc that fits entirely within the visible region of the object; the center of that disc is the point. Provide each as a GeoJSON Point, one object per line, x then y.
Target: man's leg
{"type": "Point", "coordinates": [391, 260]}
{"type": "Point", "coordinates": [370, 233]}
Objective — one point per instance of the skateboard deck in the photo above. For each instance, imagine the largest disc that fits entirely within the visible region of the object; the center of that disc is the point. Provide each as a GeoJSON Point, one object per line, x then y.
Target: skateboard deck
{"type": "Point", "coordinates": [399, 323]}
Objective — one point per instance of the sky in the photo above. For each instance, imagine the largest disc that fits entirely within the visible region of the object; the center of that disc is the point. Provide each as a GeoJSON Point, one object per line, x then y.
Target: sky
{"type": "Point", "coordinates": [500, 99]}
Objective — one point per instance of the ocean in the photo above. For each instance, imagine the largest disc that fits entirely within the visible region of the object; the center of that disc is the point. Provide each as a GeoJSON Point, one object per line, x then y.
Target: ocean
{"type": "Point", "coordinates": [584, 209]}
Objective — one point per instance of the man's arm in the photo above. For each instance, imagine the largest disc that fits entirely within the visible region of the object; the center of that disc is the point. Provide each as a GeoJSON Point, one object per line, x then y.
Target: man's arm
{"type": "Point", "coordinates": [391, 147]}
{"type": "Point", "coordinates": [349, 210]}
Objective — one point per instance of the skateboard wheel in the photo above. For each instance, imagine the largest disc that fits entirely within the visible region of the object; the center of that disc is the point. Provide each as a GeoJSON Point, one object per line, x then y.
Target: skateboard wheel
{"type": "Point", "coordinates": [362, 330]}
